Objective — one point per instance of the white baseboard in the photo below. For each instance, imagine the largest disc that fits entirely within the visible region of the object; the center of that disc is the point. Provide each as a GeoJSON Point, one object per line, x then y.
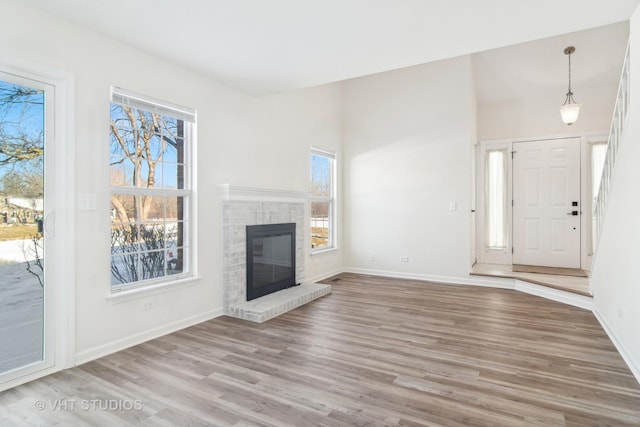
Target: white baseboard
{"type": "Point", "coordinates": [451, 280]}
{"type": "Point", "coordinates": [564, 297]}
{"type": "Point", "coordinates": [123, 343]}
{"type": "Point", "coordinates": [320, 277]}
{"type": "Point", "coordinates": [633, 367]}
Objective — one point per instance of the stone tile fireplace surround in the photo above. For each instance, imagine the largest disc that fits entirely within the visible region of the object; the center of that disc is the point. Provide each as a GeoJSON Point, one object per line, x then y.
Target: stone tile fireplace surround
{"type": "Point", "coordinates": [244, 206]}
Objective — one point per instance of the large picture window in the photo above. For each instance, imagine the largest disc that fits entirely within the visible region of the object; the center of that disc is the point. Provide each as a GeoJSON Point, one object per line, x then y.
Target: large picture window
{"type": "Point", "coordinates": [150, 146]}
{"type": "Point", "coordinates": [323, 181]}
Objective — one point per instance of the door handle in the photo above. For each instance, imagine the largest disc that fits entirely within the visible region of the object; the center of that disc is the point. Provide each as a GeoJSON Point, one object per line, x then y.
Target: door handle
{"type": "Point", "coordinates": [49, 224]}
{"type": "Point", "coordinates": [573, 213]}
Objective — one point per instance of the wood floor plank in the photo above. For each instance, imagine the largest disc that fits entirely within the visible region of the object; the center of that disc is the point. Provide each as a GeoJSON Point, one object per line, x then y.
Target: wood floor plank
{"type": "Point", "coordinates": [376, 352]}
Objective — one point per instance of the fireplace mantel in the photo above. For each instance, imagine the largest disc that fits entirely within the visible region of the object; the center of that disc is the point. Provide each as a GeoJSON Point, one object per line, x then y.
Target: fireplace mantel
{"type": "Point", "coordinates": [231, 192]}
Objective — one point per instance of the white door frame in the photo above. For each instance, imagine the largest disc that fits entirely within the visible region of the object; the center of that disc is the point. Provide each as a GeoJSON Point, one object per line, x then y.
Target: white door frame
{"type": "Point", "coordinates": [60, 323]}
{"type": "Point", "coordinates": [487, 256]}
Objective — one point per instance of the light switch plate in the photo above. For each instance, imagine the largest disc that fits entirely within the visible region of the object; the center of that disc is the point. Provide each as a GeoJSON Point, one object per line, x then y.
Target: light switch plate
{"type": "Point", "coordinates": [87, 202]}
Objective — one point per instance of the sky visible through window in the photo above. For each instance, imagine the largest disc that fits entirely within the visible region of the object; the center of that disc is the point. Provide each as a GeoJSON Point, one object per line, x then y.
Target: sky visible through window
{"type": "Point", "coordinates": [21, 133]}
{"type": "Point", "coordinates": [321, 201]}
{"type": "Point", "coordinates": [320, 175]}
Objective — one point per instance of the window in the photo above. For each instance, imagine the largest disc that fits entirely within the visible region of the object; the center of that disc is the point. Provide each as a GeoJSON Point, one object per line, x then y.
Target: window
{"type": "Point", "coordinates": [323, 180]}
{"type": "Point", "coordinates": [150, 156]}
{"type": "Point", "coordinates": [598, 157]}
{"type": "Point", "coordinates": [496, 199]}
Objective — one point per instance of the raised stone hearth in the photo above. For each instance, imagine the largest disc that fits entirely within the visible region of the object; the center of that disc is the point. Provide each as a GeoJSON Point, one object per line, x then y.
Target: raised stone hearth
{"type": "Point", "coordinates": [272, 305]}
{"type": "Point", "coordinates": [244, 206]}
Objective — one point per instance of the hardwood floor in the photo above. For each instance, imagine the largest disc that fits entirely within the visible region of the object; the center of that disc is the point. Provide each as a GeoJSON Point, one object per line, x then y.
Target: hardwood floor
{"type": "Point", "coordinates": [377, 351]}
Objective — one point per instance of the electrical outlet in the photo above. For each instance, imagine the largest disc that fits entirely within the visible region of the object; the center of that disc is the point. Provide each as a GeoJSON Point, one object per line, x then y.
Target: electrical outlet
{"type": "Point", "coordinates": [372, 258]}
{"type": "Point", "coordinates": [404, 258]}
{"type": "Point", "coordinates": [620, 313]}
{"type": "Point", "coordinates": [147, 305]}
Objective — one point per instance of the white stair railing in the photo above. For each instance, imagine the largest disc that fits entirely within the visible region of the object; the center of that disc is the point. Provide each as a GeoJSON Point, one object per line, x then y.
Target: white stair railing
{"type": "Point", "coordinates": [615, 135]}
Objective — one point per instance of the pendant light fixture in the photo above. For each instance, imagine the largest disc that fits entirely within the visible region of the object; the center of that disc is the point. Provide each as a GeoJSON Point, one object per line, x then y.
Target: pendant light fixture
{"type": "Point", "coordinates": [569, 110]}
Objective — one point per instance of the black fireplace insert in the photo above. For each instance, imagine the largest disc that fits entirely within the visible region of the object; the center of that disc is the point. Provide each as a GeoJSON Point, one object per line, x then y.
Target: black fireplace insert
{"type": "Point", "coordinates": [271, 258]}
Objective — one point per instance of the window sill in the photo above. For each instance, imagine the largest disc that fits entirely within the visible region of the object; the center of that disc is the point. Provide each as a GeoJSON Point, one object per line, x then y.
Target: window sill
{"type": "Point", "coordinates": [324, 251]}
{"type": "Point", "coordinates": [133, 294]}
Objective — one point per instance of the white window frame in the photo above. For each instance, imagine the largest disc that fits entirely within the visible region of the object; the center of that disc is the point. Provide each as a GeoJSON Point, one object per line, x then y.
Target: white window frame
{"type": "Point", "coordinates": [188, 116]}
{"type": "Point", "coordinates": [332, 245]}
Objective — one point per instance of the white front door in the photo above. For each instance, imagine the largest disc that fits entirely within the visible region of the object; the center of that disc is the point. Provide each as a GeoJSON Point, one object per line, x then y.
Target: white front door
{"type": "Point", "coordinates": [546, 203]}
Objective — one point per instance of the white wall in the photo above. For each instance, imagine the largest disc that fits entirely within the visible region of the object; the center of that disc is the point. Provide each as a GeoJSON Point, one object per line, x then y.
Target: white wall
{"type": "Point", "coordinates": [407, 155]}
{"type": "Point", "coordinates": [286, 127]}
{"type": "Point", "coordinates": [540, 115]}
{"type": "Point", "coordinates": [614, 278]}
{"type": "Point", "coordinates": [240, 141]}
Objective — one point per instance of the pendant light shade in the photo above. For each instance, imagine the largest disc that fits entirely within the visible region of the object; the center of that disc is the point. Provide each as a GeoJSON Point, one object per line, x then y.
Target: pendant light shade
{"type": "Point", "coordinates": [569, 113]}
{"type": "Point", "coordinates": [570, 109]}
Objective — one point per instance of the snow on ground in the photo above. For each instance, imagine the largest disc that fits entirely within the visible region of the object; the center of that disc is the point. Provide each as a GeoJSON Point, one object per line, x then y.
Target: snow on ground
{"type": "Point", "coordinates": [12, 250]}
{"type": "Point", "coordinates": [21, 309]}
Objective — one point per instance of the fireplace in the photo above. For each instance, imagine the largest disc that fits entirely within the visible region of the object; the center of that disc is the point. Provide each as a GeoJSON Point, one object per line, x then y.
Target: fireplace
{"type": "Point", "coordinates": [271, 258]}
{"type": "Point", "coordinates": [251, 206]}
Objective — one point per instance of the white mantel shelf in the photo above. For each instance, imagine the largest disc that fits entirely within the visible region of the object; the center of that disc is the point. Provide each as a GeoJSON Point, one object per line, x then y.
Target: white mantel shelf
{"type": "Point", "coordinates": [231, 192]}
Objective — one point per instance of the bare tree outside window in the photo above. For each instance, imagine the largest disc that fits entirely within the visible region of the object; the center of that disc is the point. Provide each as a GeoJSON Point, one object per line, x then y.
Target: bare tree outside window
{"type": "Point", "coordinates": [21, 129]}
{"type": "Point", "coordinates": [22, 243]}
{"type": "Point", "coordinates": [322, 200]}
{"type": "Point", "coordinates": [148, 206]}
{"type": "Point", "coordinates": [22, 172]}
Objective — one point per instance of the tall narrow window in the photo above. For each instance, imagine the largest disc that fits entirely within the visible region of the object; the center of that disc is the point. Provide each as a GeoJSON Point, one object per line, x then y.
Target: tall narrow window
{"type": "Point", "coordinates": [496, 198]}
{"type": "Point", "coordinates": [323, 180]}
{"type": "Point", "coordinates": [598, 156]}
{"type": "Point", "coordinates": [150, 144]}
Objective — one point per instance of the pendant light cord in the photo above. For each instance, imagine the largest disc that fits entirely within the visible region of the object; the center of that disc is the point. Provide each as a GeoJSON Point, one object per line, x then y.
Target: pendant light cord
{"type": "Point", "coordinates": [570, 74]}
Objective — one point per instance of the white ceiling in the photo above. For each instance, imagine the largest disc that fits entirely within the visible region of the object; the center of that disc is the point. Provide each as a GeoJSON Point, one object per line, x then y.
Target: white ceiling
{"type": "Point", "coordinates": [268, 46]}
